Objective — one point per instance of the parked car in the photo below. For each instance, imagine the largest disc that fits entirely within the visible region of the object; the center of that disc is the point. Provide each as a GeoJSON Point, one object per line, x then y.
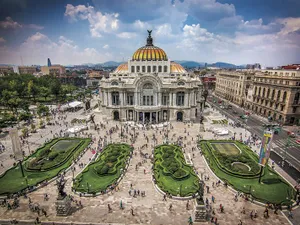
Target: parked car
{"type": "Point", "coordinates": [291, 134]}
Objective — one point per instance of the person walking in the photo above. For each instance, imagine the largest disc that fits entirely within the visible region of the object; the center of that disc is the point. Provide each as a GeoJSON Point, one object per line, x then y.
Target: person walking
{"type": "Point", "coordinates": [213, 199]}
{"type": "Point", "coordinates": [109, 208]}
{"type": "Point", "coordinates": [132, 211]}
{"type": "Point", "coordinates": [170, 207]}
{"type": "Point", "coordinates": [190, 220]}
{"type": "Point", "coordinates": [187, 205]}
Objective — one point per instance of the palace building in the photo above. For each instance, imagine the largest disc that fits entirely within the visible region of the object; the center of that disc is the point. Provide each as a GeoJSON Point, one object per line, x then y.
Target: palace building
{"type": "Point", "coordinates": [150, 88]}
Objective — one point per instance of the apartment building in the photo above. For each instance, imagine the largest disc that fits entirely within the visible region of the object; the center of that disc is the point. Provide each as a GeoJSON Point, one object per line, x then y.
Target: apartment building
{"type": "Point", "coordinates": [276, 95]}
{"type": "Point", "coordinates": [27, 69]}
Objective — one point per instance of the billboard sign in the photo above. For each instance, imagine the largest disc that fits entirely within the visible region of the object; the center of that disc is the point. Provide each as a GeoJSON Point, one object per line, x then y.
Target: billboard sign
{"type": "Point", "coordinates": [265, 148]}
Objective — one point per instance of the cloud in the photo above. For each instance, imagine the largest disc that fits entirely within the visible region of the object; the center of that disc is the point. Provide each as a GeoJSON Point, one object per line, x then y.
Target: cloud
{"type": "Point", "coordinates": [8, 23]}
{"type": "Point", "coordinates": [38, 47]}
{"type": "Point", "coordinates": [2, 40]}
{"type": "Point", "coordinates": [99, 22]}
{"type": "Point", "coordinates": [35, 26]}
{"type": "Point", "coordinates": [105, 46]}
{"type": "Point", "coordinates": [290, 25]}
{"type": "Point", "coordinates": [126, 35]}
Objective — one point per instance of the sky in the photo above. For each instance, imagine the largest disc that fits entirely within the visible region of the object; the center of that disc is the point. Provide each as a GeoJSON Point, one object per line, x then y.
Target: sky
{"type": "Point", "coordinates": [95, 31]}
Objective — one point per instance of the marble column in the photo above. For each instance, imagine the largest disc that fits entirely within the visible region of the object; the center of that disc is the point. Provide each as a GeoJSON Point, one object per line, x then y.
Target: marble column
{"type": "Point", "coordinates": [109, 98]}
{"type": "Point", "coordinates": [143, 117]}
{"type": "Point", "coordinates": [170, 99]}
{"type": "Point", "coordinates": [150, 117]}
{"type": "Point", "coordinates": [174, 99]}
{"type": "Point", "coordinates": [156, 117]}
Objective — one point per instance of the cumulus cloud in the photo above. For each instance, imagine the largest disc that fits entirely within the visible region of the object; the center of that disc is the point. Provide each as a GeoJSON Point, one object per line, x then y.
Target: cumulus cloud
{"type": "Point", "coordinates": [99, 22]}
{"type": "Point", "coordinates": [8, 23]}
{"type": "Point", "coordinates": [35, 26]}
{"type": "Point", "coordinates": [38, 47]}
{"type": "Point", "coordinates": [105, 46]}
{"type": "Point", "coordinates": [290, 25]}
{"type": "Point", "coordinates": [126, 35]}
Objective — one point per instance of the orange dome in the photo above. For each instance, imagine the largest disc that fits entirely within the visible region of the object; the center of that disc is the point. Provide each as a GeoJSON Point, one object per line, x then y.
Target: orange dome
{"type": "Point", "coordinates": [123, 68]}
{"type": "Point", "coordinates": [149, 52]}
{"type": "Point", "coordinates": [177, 68]}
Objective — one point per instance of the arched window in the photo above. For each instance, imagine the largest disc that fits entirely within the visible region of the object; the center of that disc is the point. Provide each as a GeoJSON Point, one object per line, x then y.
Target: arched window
{"type": "Point", "coordinates": [284, 96]}
{"type": "Point", "coordinates": [180, 98]}
{"type": "Point", "coordinates": [273, 94]}
{"type": "Point", "coordinates": [114, 83]}
{"type": "Point", "coordinates": [278, 95]}
{"type": "Point", "coordinates": [115, 98]}
{"type": "Point", "coordinates": [268, 92]}
{"type": "Point", "coordinates": [297, 97]}
{"type": "Point", "coordinates": [148, 94]}
{"type": "Point", "coordinates": [181, 83]}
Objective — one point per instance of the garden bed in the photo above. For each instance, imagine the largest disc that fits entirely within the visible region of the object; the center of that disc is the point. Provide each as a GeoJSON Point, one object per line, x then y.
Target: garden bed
{"type": "Point", "coordinates": [273, 188]}
{"type": "Point", "coordinates": [171, 172]}
{"type": "Point", "coordinates": [13, 181]}
{"type": "Point", "coordinates": [105, 171]}
{"type": "Point", "coordinates": [224, 121]}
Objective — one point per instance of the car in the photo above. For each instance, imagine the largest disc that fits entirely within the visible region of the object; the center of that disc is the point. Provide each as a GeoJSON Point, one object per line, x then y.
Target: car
{"type": "Point", "coordinates": [291, 134]}
{"type": "Point", "coordinates": [298, 141]}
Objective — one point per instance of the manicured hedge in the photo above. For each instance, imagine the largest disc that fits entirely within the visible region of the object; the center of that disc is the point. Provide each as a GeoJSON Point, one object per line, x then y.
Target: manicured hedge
{"type": "Point", "coordinates": [273, 189]}
{"type": "Point", "coordinates": [171, 172]}
{"type": "Point", "coordinates": [12, 180]}
{"type": "Point", "coordinates": [105, 171]}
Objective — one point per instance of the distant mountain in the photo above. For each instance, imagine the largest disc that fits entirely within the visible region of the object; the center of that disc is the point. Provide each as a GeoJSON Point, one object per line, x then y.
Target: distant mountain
{"type": "Point", "coordinates": [190, 64]}
{"type": "Point", "coordinates": [111, 64]}
{"type": "Point", "coordinates": [223, 65]}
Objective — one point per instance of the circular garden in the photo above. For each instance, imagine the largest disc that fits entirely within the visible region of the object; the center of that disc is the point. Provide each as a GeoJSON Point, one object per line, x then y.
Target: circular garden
{"type": "Point", "coordinates": [171, 172]}
{"type": "Point", "coordinates": [46, 163]}
{"type": "Point", "coordinates": [237, 165]}
{"type": "Point", "coordinates": [105, 171]}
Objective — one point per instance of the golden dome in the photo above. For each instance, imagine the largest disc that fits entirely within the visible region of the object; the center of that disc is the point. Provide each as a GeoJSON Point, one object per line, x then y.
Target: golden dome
{"type": "Point", "coordinates": [149, 52]}
{"type": "Point", "coordinates": [177, 68]}
{"type": "Point", "coordinates": [122, 68]}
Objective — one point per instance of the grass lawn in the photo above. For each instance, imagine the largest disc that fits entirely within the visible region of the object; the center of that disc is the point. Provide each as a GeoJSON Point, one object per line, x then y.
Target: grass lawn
{"type": "Point", "coordinates": [224, 121]}
{"type": "Point", "coordinates": [226, 148]}
{"type": "Point", "coordinates": [273, 188]}
{"type": "Point", "coordinates": [105, 171]}
{"type": "Point", "coordinates": [12, 180]}
{"type": "Point", "coordinates": [171, 172]}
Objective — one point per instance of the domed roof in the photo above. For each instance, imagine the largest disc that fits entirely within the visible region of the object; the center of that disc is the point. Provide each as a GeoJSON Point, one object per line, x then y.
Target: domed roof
{"type": "Point", "coordinates": [149, 52]}
{"type": "Point", "coordinates": [177, 68]}
{"type": "Point", "coordinates": [122, 68]}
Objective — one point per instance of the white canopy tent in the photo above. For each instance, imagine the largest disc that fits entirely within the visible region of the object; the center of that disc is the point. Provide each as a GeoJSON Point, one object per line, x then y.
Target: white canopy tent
{"type": "Point", "coordinates": [71, 105]}
{"type": "Point", "coordinates": [77, 129]}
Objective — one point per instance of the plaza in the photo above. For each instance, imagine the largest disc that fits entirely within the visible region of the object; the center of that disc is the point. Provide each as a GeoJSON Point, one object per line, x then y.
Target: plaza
{"type": "Point", "coordinates": [150, 208]}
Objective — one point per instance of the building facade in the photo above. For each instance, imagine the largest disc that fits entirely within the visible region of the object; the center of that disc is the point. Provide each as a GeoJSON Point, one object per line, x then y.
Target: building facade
{"type": "Point", "coordinates": [149, 88]}
{"type": "Point", "coordinates": [233, 86]}
{"type": "Point", "coordinates": [27, 69]}
{"type": "Point", "coordinates": [5, 70]}
{"type": "Point", "coordinates": [276, 95]}
{"type": "Point", "coordinates": [55, 70]}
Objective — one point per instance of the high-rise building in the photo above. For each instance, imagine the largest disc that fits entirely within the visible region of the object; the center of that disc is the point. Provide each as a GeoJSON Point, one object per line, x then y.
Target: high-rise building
{"type": "Point", "coordinates": [49, 62]}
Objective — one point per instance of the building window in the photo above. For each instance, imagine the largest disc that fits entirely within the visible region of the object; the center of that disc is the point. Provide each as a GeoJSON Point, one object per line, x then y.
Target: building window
{"type": "Point", "coordinates": [132, 69]}
{"type": "Point", "coordinates": [293, 74]}
{"type": "Point", "coordinates": [114, 83]}
{"type": "Point", "coordinates": [294, 109]}
{"type": "Point", "coordinates": [296, 99]}
{"type": "Point", "coordinates": [278, 95]}
{"type": "Point", "coordinates": [181, 83]}
{"type": "Point", "coordinates": [259, 89]}
{"type": "Point", "coordinates": [115, 98]}
{"type": "Point", "coordinates": [271, 104]}
{"type": "Point", "coordinates": [148, 94]}
{"type": "Point", "coordinates": [268, 93]}
{"type": "Point", "coordinates": [263, 94]}
{"type": "Point", "coordinates": [149, 69]}
{"type": "Point", "coordinates": [165, 99]}
{"type": "Point", "coordinates": [137, 69]}
{"type": "Point", "coordinates": [130, 98]}
{"type": "Point", "coordinates": [282, 107]}
{"type": "Point", "coordinates": [287, 82]}
{"type": "Point", "coordinates": [284, 96]}
{"type": "Point", "coordinates": [159, 69]}
{"type": "Point", "coordinates": [154, 69]}
{"type": "Point", "coordinates": [165, 69]}
{"type": "Point", "coordinates": [143, 69]}
{"type": "Point", "coordinates": [180, 98]}
{"type": "Point", "coordinates": [273, 94]}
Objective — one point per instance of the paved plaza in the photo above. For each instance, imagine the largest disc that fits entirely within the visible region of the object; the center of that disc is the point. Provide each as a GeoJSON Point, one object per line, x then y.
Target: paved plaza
{"type": "Point", "coordinates": [150, 209]}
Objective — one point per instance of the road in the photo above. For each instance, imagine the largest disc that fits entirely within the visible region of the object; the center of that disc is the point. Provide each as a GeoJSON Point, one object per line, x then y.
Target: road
{"type": "Point", "coordinates": [254, 125]}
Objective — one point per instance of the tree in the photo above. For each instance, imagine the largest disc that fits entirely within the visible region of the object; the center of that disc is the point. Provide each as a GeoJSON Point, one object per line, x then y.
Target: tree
{"type": "Point", "coordinates": [32, 89]}
{"type": "Point", "coordinates": [45, 92]}
{"type": "Point", "coordinates": [42, 110]}
{"type": "Point", "coordinates": [55, 87]}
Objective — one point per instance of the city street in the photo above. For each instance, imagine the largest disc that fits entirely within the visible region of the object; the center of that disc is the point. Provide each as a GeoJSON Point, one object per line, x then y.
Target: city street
{"type": "Point", "coordinates": [255, 125]}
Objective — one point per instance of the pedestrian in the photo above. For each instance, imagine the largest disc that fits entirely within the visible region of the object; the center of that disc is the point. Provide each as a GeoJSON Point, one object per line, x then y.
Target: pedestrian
{"type": "Point", "coordinates": [170, 207]}
{"type": "Point", "coordinates": [212, 219]}
{"type": "Point", "coordinates": [37, 220]}
{"type": "Point", "coordinates": [243, 210]}
{"type": "Point", "coordinates": [190, 220]}
{"type": "Point", "coordinates": [213, 199]}
{"type": "Point", "coordinates": [109, 208]}
{"type": "Point", "coordinates": [290, 214]}
{"type": "Point", "coordinates": [240, 223]}
{"type": "Point", "coordinates": [132, 211]}
{"type": "Point", "coordinates": [216, 220]}
{"type": "Point", "coordinates": [187, 205]}
{"type": "Point", "coordinates": [121, 205]}
{"type": "Point", "coordinates": [251, 215]}
{"type": "Point", "coordinates": [165, 197]}
{"type": "Point", "coordinates": [129, 192]}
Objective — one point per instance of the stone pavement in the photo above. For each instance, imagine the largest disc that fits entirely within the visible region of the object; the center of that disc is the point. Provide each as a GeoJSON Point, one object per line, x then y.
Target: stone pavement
{"type": "Point", "coordinates": [150, 209]}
